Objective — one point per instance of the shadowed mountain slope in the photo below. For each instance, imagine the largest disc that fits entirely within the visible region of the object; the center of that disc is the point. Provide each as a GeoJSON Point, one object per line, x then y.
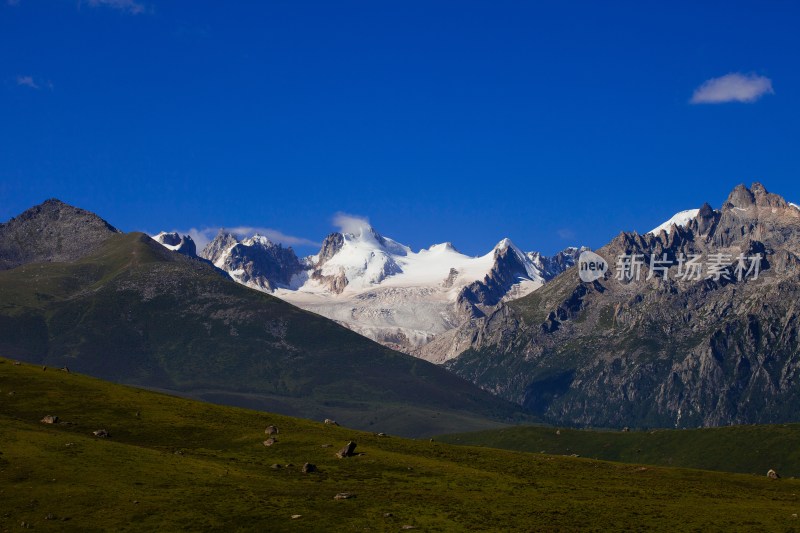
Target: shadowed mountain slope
{"type": "Point", "coordinates": [132, 311]}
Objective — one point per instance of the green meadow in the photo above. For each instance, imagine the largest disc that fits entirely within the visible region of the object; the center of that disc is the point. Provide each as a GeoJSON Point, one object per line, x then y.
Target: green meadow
{"type": "Point", "coordinates": [172, 464]}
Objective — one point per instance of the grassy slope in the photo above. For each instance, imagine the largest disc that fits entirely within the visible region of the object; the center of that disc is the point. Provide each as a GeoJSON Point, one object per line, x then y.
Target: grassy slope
{"type": "Point", "coordinates": [136, 313]}
{"type": "Point", "coordinates": [222, 479]}
{"type": "Point", "coordinates": [745, 449]}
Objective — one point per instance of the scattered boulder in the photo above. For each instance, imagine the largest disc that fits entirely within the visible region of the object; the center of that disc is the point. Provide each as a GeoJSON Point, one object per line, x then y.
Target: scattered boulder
{"type": "Point", "coordinates": [49, 419]}
{"type": "Point", "coordinates": [270, 441]}
{"type": "Point", "coordinates": [296, 516]}
{"type": "Point", "coordinates": [309, 468]}
{"type": "Point", "coordinates": [387, 515]}
{"type": "Point", "coordinates": [17, 363]}
{"type": "Point", "coordinates": [271, 430]}
{"type": "Point", "coordinates": [347, 451]}
{"type": "Point", "coordinates": [101, 433]}
{"type": "Point", "coordinates": [626, 429]}
{"type": "Point", "coordinates": [558, 432]}
{"type": "Point", "coordinates": [276, 466]}
{"type": "Point", "coordinates": [408, 527]}
{"type": "Point", "coordinates": [773, 474]}
{"type": "Point", "coordinates": [381, 434]}
{"type": "Point", "coordinates": [344, 496]}
{"type": "Point", "coordinates": [330, 422]}
{"type": "Point", "coordinates": [65, 369]}
{"type": "Point", "coordinates": [327, 446]}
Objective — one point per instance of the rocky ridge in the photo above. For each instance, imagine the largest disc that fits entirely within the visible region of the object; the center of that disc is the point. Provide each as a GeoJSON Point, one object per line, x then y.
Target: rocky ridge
{"type": "Point", "coordinates": [666, 350]}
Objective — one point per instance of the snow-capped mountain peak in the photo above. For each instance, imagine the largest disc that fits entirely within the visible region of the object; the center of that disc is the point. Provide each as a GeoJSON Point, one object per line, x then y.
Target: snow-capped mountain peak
{"type": "Point", "coordinates": [176, 242]}
{"type": "Point", "coordinates": [680, 219]}
{"type": "Point", "coordinates": [443, 247]}
{"type": "Point", "coordinates": [368, 238]}
{"type": "Point", "coordinates": [504, 243]}
{"type": "Point", "coordinates": [257, 240]}
{"type": "Point", "coordinates": [362, 260]}
{"type": "Point", "coordinates": [382, 288]}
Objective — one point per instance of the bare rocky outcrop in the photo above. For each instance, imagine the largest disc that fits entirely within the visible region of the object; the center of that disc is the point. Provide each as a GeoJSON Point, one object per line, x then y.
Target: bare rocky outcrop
{"type": "Point", "coordinates": [335, 283]}
{"type": "Point", "coordinates": [51, 232]}
{"type": "Point", "coordinates": [330, 247]}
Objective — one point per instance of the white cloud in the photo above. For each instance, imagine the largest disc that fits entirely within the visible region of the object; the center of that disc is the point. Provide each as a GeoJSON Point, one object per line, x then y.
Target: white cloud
{"type": "Point", "coordinates": [202, 237]}
{"type": "Point", "coordinates": [128, 6]}
{"type": "Point", "coordinates": [350, 223]}
{"type": "Point", "coordinates": [27, 81]}
{"type": "Point", "coordinates": [733, 87]}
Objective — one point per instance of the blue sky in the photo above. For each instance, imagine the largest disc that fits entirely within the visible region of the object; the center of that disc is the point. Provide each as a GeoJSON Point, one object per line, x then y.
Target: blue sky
{"type": "Point", "coordinates": [552, 123]}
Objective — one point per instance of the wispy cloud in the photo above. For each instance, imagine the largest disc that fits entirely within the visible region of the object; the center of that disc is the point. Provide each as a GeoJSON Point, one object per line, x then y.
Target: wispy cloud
{"type": "Point", "coordinates": [272, 234]}
{"type": "Point", "coordinates": [128, 6]}
{"type": "Point", "coordinates": [348, 223]}
{"type": "Point", "coordinates": [27, 81]}
{"type": "Point", "coordinates": [733, 87]}
{"type": "Point", "coordinates": [202, 237]}
{"type": "Point", "coordinates": [566, 234]}
{"type": "Point", "coordinates": [131, 7]}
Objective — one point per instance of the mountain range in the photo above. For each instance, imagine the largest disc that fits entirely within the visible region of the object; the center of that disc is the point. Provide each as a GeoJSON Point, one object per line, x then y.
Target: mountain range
{"type": "Point", "coordinates": [662, 350]}
{"type": "Point", "coordinates": [666, 347]}
{"type": "Point", "coordinates": [77, 293]}
{"type": "Point", "coordinates": [381, 288]}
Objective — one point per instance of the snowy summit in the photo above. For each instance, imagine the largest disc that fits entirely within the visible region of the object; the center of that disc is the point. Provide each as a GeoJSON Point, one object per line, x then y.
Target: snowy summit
{"type": "Point", "coordinates": [679, 219]}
